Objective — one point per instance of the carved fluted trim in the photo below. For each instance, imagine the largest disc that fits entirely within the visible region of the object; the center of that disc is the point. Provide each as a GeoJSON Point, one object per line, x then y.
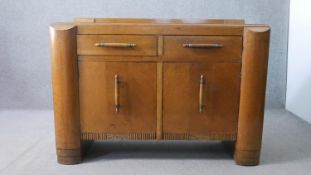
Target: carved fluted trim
{"type": "Point", "coordinates": [118, 136]}
{"type": "Point", "coordinates": [210, 136]}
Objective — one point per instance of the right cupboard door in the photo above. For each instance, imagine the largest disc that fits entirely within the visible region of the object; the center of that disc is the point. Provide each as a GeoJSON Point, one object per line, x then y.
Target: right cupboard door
{"type": "Point", "coordinates": [201, 100]}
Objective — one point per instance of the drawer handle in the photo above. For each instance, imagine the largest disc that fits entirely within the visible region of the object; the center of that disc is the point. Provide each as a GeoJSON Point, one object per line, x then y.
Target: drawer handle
{"type": "Point", "coordinates": [201, 106]}
{"type": "Point", "coordinates": [202, 45]}
{"type": "Point", "coordinates": [119, 45]}
{"type": "Point", "coordinates": [116, 92]}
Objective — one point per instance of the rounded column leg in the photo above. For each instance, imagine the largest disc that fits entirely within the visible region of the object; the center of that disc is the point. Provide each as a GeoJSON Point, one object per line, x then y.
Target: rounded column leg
{"type": "Point", "coordinates": [252, 99]}
{"type": "Point", "coordinates": [65, 93]}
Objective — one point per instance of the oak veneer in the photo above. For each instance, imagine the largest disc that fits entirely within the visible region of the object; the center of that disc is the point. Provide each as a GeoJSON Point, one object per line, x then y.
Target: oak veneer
{"type": "Point", "coordinates": [154, 79]}
{"type": "Point", "coordinates": [175, 48]}
{"type": "Point", "coordinates": [252, 100]}
{"type": "Point", "coordinates": [146, 45]}
{"type": "Point", "coordinates": [66, 93]}
{"type": "Point", "coordinates": [219, 116]}
{"type": "Point", "coordinates": [137, 91]}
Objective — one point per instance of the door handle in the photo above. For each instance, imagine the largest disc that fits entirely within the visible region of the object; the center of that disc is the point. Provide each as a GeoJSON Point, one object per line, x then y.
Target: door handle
{"type": "Point", "coordinates": [202, 45]}
{"type": "Point", "coordinates": [116, 92]}
{"type": "Point", "coordinates": [117, 45]}
{"type": "Point", "coordinates": [201, 105]}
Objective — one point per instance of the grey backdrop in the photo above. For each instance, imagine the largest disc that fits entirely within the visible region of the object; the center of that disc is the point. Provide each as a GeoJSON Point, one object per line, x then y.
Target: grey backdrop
{"type": "Point", "coordinates": [25, 80]}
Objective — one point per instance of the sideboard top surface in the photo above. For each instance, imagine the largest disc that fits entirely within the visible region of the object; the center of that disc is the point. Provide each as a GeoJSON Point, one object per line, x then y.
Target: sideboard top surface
{"type": "Point", "coordinates": [160, 21]}
{"type": "Point", "coordinates": [139, 26]}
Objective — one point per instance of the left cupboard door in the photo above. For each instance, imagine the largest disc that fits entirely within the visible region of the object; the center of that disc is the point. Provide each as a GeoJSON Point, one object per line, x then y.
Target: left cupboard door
{"type": "Point", "coordinates": [118, 99]}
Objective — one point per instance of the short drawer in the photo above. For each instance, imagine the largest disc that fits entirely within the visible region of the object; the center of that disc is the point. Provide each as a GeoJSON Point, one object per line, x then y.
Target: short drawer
{"type": "Point", "coordinates": [118, 45]}
{"type": "Point", "coordinates": [183, 48]}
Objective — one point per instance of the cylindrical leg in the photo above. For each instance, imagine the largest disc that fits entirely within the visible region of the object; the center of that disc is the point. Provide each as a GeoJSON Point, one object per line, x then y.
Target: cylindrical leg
{"type": "Point", "coordinates": [65, 93]}
{"type": "Point", "coordinates": [252, 99]}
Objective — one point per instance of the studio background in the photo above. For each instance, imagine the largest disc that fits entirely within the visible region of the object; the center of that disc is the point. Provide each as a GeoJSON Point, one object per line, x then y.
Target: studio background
{"type": "Point", "coordinates": [25, 71]}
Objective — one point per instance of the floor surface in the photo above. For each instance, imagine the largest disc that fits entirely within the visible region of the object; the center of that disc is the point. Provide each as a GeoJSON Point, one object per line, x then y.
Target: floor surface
{"type": "Point", "coordinates": [27, 147]}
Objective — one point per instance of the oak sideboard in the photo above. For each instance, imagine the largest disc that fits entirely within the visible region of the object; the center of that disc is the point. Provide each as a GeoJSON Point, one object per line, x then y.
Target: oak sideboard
{"type": "Point", "coordinates": [159, 79]}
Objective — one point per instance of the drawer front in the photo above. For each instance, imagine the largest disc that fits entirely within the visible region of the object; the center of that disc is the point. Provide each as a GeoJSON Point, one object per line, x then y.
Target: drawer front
{"type": "Point", "coordinates": [121, 104]}
{"type": "Point", "coordinates": [215, 48]}
{"type": "Point", "coordinates": [119, 45]}
{"type": "Point", "coordinates": [201, 100]}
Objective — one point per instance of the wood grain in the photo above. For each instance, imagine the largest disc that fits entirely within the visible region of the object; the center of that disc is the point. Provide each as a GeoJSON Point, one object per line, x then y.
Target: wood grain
{"type": "Point", "coordinates": [165, 90]}
{"type": "Point", "coordinates": [159, 100]}
{"type": "Point", "coordinates": [65, 93]}
{"type": "Point", "coordinates": [181, 98]}
{"type": "Point", "coordinates": [160, 29]}
{"type": "Point", "coordinates": [137, 97]}
{"type": "Point", "coordinates": [230, 136]}
{"type": "Point", "coordinates": [165, 21]}
{"type": "Point", "coordinates": [145, 45]}
{"type": "Point", "coordinates": [252, 100]}
{"type": "Point", "coordinates": [124, 58]}
{"type": "Point", "coordinates": [174, 50]}
{"type": "Point", "coordinates": [160, 45]}
{"type": "Point", "coordinates": [118, 136]}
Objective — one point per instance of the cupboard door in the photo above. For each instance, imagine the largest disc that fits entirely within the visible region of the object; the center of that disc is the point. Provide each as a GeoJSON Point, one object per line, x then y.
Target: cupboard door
{"type": "Point", "coordinates": [118, 98]}
{"type": "Point", "coordinates": [201, 100]}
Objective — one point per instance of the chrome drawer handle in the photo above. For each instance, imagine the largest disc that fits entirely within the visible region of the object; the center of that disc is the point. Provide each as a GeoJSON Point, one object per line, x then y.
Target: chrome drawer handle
{"type": "Point", "coordinates": [119, 45]}
{"type": "Point", "coordinates": [202, 45]}
{"type": "Point", "coordinates": [116, 92]}
{"type": "Point", "coordinates": [201, 106]}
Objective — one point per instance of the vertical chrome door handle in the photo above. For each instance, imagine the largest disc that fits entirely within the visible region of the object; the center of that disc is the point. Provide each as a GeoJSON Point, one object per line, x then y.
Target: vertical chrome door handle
{"type": "Point", "coordinates": [116, 92]}
{"type": "Point", "coordinates": [201, 106]}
